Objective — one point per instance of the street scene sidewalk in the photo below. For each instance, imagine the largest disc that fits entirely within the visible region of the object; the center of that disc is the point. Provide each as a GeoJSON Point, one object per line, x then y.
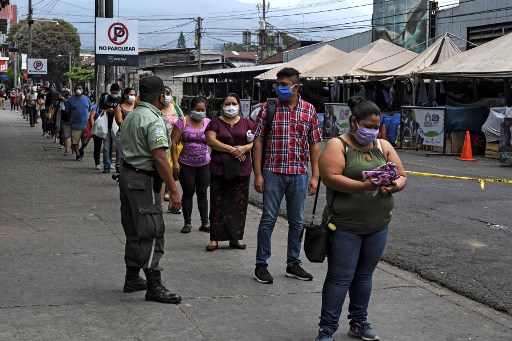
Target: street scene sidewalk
{"type": "Point", "coordinates": [62, 269]}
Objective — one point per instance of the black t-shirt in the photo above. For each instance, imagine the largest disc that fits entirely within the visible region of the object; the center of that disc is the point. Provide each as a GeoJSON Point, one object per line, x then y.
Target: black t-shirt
{"type": "Point", "coordinates": [107, 102]}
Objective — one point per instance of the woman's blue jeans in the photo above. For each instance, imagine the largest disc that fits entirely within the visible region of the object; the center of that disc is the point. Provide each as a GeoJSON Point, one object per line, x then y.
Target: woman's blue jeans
{"type": "Point", "coordinates": [352, 259]}
{"type": "Point", "coordinates": [294, 188]}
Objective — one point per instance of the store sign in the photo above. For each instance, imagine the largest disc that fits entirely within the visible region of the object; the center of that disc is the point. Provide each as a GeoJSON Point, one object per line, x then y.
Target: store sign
{"type": "Point", "coordinates": [4, 64]}
{"type": "Point", "coordinates": [336, 121]}
{"type": "Point", "coordinates": [423, 126]}
{"type": "Point", "coordinates": [117, 42]}
{"type": "Point", "coordinates": [37, 66]}
{"type": "Point", "coordinates": [23, 61]}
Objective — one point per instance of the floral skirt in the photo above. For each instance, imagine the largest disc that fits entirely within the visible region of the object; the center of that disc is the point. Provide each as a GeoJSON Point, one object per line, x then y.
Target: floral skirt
{"type": "Point", "coordinates": [228, 207]}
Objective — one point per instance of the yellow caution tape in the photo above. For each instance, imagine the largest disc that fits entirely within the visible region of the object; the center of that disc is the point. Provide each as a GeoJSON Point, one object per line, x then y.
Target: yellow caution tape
{"type": "Point", "coordinates": [480, 181]}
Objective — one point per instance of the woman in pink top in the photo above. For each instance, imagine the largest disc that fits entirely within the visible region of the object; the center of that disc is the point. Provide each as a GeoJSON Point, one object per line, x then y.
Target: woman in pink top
{"type": "Point", "coordinates": [192, 163]}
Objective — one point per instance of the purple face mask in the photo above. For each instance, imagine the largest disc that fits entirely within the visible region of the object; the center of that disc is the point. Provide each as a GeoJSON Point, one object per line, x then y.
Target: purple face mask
{"type": "Point", "coordinates": [364, 135]}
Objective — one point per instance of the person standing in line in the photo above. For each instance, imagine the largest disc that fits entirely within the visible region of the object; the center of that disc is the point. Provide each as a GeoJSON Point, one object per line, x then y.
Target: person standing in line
{"type": "Point", "coordinates": [192, 164]}
{"type": "Point", "coordinates": [65, 122]}
{"type": "Point", "coordinates": [230, 138]}
{"type": "Point", "coordinates": [13, 97]}
{"type": "Point", "coordinates": [40, 108]}
{"type": "Point", "coordinates": [361, 213]}
{"type": "Point", "coordinates": [98, 141]}
{"type": "Point", "coordinates": [145, 167]}
{"type": "Point", "coordinates": [21, 103]}
{"type": "Point", "coordinates": [2, 97]}
{"type": "Point", "coordinates": [291, 143]}
{"type": "Point", "coordinates": [78, 107]}
{"type": "Point", "coordinates": [170, 113]}
{"type": "Point", "coordinates": [109, 103]}
{"type": "Point", "coordinates": [31, 106]}
{"type": "Point", "coordinates": [129, 97]}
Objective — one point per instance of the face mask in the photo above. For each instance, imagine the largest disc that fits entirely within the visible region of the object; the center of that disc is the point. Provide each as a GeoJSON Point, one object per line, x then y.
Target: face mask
{"type": "Point", "coordinates": [167, 100]}
{"type": "Point", "coordinates": [284, 93]}
{"type": "Point", "coordinates": [131, 99]}
{"type": "Point", "coordinates": [197, 115]}
{"type": "Point", "coordinates": [114, 95]}
{"type": "Point", "coordinates": [231, 110]}
{"type": "Point", "coordinates": [365, 136]}
{"type": "Point", "coordinates": [78, 92]}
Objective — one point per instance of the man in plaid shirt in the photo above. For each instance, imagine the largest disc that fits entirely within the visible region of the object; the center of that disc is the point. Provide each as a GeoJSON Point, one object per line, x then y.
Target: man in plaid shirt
{"type": "Point", "coordinates": [291, 143]}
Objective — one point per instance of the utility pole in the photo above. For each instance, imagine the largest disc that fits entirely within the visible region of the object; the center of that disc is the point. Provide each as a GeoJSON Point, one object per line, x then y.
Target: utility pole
{"type": "Point", "coordinates": [109, 70]}
{"type": "Point", "coordinates": [29, 49]}
{"type": "Point", "coordinates": [99, 69]}
{"type": "Point", "coordinates": [16, 64]}
{"type": "Point", "coordinates": [70, 65]}
{"type": "Point", "coordinates": [262, 50]}
{"type": "Point", "coordinates": [198, 42]}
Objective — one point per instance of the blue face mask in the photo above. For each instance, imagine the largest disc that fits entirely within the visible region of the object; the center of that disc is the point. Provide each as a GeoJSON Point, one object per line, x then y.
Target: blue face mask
{"type": "Point", "coordinates": [197, 115]}
{"type": "Point", "coordinates": [284, 93]}
{"type": "Point", "coordinates": [167, 100]}
{"type": "Point", "coordinates": [114, 95]}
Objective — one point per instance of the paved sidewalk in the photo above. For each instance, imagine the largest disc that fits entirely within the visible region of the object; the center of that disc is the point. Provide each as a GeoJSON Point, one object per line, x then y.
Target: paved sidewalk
{"type": "Point", "coordinates": [61, 270]}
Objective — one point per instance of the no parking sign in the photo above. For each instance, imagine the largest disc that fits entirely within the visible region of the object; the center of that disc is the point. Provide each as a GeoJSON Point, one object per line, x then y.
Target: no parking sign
{"type": "Point", "coordinates": [37, 66]}
{"type": "Point", "coordinates": [117, 41]}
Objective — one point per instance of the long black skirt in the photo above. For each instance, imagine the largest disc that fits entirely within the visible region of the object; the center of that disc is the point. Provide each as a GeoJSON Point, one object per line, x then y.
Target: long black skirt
{"type": "Point", "coordinates": [228, 207]}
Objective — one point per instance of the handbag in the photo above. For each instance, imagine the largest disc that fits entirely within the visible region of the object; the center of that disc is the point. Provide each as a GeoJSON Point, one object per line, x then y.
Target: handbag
{"type": "Point", "coordinates": [100, 126]}
{"type": "Point", "coordinates": [88, 130]}
{"type": "Point", "coordinates": [317, 239]}
{"type": "Point", "coordinates": [230, 166]}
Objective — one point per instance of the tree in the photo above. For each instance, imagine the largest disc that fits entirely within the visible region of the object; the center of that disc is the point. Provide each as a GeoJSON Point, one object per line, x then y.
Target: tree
{"type": "Point", "coordinates": [238, 47]}
{"type": "Point", "coordinates": [51, 41]}
{"type": "Point", "coordinates": [182, 44]}
{"type": "Point", "coordinates": [79, 74]}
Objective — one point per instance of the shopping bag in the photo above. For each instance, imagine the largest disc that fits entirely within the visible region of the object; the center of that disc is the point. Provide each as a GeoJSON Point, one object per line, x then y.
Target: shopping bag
{"type": "Point", "coordinates": [88, 130]}
{"type": "Point", "coordinates": [100, 126]}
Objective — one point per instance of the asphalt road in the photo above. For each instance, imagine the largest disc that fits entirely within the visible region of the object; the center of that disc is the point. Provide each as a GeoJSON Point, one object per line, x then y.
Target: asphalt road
{"type": "Point", "coordinates": [450, 231]}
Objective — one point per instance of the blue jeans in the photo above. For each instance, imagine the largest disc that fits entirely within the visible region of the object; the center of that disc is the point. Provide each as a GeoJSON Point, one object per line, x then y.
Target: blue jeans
{"type": "Point", "coordinates": [294, 188]}
{"type": "Point", "coordinates": [107, 152]}
{"type": "Point", "coordinates": [352, 260]}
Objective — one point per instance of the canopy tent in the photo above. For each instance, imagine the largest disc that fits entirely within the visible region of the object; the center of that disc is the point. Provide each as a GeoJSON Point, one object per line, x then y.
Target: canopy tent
{"type": "Point", "coordinates": [443, 49]}
{"type": "Point", "coordinates": [225, 71]}
{"type": "Point", "coordinates": [489, 60]}
{"type": "Point", "coordinates": [306, 62]}
{"type": "Point", "coordinates": [378, 56]}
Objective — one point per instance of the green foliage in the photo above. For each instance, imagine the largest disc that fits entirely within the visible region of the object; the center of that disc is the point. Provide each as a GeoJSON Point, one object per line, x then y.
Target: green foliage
{"type": "Point", "coordinates": [182, 44]}
{"type": "Point", "coordinates": [51, 41]}
{"type": "Point", "coordinates": [288, 40]}
{"type": "Point", "coordinates": [79, 74]}
{"type": "Point", "coordinates": [10, 74]}
{"type": "Point", "coordinates": [239, 47]}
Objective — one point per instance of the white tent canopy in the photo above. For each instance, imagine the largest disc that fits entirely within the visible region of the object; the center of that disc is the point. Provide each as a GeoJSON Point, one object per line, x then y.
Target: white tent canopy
{"type": "Point", "coordinates": [225, 71]}
{"type": "Point", "coordinates": [443, 49]}
{"type": "Point", "coordinates": [305, 63]}
{"type": "Point", "coordinates": [489, 60]}
{"type": "Point", "coordinates": [378, 56]}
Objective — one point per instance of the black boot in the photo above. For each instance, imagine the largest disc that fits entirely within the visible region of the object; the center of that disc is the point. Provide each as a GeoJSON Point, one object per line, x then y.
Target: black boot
{"type": "Point", "coordinates": [132, 281]}
{"type": "Point", "coordinates": [157, 291]}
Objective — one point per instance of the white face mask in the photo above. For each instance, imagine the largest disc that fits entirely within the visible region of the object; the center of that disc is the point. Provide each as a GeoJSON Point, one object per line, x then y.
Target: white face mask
{"type": "Point", "coordinates": [78, 92]}
{"type": "Point", "coordinates": [231, 110]}
{"type": "Point", "coordinates": [131, 99]}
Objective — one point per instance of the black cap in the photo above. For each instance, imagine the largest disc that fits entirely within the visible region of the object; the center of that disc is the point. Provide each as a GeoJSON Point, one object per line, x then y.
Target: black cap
{"type": "Point", "coordinates": [151, 84]}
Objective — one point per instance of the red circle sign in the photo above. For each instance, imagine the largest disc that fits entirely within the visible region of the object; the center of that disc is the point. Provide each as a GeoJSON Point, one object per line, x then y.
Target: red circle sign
{"type": "Point", "coordinates": [38, 65]}
{"type": "Point", "coordinates": [118, 33]}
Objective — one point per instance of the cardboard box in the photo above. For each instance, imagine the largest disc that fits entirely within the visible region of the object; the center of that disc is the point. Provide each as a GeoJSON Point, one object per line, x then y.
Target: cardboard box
{"type": "Point", "coordinates": [492, 150]}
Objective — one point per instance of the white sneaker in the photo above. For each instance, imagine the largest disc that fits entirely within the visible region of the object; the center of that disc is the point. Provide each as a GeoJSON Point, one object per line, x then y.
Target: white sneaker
{"type": "Point", "coordinates": [98, 167]}
{"type": "Point", "coordinates": [112, 167]}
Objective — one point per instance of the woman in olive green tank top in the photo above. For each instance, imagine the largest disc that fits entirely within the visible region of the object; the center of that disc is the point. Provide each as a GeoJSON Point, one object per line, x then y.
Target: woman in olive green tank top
{"type": "Point", "coordinates": [361, 213]}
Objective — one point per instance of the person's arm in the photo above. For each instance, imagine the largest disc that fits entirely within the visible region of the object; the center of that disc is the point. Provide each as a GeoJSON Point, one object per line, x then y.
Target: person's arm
{"type": "Point", "coordinates": [213, 143]}
{"type": "Point", "coordinates": [257, 149]}
{"type": "Point", "coordinates": [164, 170]}
{"type": "Point", "coordinates": [392, 156]}
{"type": "Point", "coordinates": [119, 115]}
{"type": "Point", "coordinates": [331, 164]}
{"type": "Point", "coordinates": [175, 140]}
{"type": "Point", "coordinates": [314, 152]}
{"type": "Point", "coordinates": [92, 115]}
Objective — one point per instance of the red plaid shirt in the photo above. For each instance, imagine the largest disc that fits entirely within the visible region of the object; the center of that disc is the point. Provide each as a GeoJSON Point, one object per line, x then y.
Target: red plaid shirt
{"type": "Point", "coordinates": [293, 131]}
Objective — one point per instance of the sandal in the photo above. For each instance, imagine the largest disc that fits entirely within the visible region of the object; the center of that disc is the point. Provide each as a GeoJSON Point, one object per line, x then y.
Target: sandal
{"type": "Point", "coordinates": [237, 246]}
{"type": "Point", "coordinates": [173, 211]}
{"type": "Point", "coordinates": [186, 229]}
{"type": "Point", "coordinates": [66, 153]}
{"type": "Point", "coordinates": [205, 228]}
{"type": "Point", "coordinates": [212, 247]}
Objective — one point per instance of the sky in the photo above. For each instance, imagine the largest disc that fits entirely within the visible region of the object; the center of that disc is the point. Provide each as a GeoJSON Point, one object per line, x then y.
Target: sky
{"type": "Point", "coordinates": [161, 21]}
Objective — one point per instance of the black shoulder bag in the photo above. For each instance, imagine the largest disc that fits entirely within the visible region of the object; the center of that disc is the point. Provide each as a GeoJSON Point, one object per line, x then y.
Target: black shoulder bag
{"type": "Point", "coordinates": [317, 239]}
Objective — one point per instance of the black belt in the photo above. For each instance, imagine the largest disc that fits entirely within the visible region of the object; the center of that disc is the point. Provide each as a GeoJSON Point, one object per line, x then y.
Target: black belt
{"type": "Point", "coordinates": [138, 170]}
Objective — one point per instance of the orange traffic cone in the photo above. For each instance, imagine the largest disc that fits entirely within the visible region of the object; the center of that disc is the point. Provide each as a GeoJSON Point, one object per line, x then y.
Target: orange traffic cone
{"type": "Point", "coordinates": [383, 133]}
{"type": "Point", "coordinates": [467, 153]}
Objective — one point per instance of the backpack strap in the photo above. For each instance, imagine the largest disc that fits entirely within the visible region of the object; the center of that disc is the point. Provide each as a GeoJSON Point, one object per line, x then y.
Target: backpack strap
{"type": "Point", "coordinates": [271, 114]}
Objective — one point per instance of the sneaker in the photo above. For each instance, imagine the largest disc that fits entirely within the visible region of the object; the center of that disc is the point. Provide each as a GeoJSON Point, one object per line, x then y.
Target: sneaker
{"type": "Point", "coordinates": [362, 330]}
{"type": "Point", "coordinates": [324, 335]}
{"type": "Point", "coordinates": [262, 275]}
{"type": "Point", "coordinates": [97, 167]}
{"type": "Point", "coordinates": [296, 271]}
{"type": "Point", "coordinates": [81, 153]}
{"type": "Point", "coordinates": [107, 170]}
{"type": "Point", "coordinates": [112, 167]}
{"type": "Point", "coordinates": [166, 197]}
